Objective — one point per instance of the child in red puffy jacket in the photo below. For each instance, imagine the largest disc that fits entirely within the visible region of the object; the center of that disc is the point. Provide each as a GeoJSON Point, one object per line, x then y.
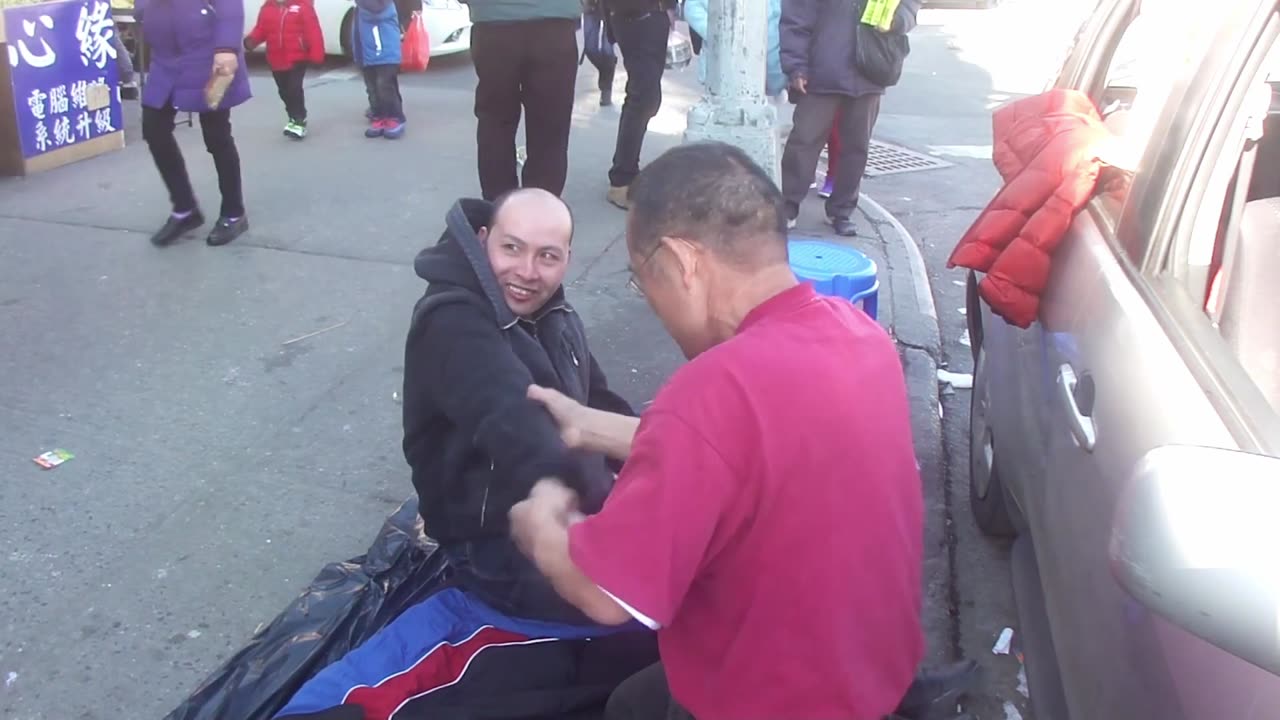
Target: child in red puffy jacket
{"type": "Point", "coordinates": [292, 33]}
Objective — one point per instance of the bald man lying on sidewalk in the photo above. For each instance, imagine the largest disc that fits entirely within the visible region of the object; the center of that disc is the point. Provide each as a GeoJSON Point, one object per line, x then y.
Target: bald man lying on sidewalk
{"type": "Point", "coordinates": [493, 321]}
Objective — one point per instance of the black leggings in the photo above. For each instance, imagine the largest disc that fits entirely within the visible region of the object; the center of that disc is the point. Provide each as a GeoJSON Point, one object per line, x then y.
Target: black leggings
{"type": "Point", "coordinates": [157, 130]}
{"type": "Point", "coordinates": [289, 83]}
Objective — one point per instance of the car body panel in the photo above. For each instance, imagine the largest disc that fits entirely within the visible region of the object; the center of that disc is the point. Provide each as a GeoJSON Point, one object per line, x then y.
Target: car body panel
{"type": "Point", "coordinates": [1104, 324]}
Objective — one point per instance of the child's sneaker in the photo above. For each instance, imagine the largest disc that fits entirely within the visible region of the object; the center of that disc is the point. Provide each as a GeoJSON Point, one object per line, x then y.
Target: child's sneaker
{"type": "Point", "coordinates": [377, 127]}
{"type": "Point", "coordinates": [827, 187]}
{"type": "Point", "coordinates": [295, 130]}
{"type": "Point", "coordinates": [393, 129]}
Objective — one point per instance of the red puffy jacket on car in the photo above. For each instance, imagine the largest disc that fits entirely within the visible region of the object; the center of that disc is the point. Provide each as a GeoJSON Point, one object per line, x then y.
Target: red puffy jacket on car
{"type": "Point", "coordinates": [1046, 148]}
{"type": "Point", "coordinates": [291, 31]}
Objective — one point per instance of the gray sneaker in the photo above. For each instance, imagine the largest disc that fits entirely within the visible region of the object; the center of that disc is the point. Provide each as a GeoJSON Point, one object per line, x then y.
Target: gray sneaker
{"type": "Point", "coordinates": [844, 226]}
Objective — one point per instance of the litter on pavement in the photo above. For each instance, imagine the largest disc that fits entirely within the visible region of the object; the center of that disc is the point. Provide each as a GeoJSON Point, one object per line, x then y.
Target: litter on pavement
{"type": "Point", "coordinates": [959, 381]}
{"type": "Point", "coordinates": [300, 338]}
{"type": "Point", "coordinates": [52, 459]}
{"type": "Point", "coordinates": [1004, 642]}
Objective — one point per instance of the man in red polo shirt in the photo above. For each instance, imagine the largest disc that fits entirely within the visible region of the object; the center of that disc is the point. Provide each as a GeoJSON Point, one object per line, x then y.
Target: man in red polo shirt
{"type": "Point", "coordinates": [768, 521]}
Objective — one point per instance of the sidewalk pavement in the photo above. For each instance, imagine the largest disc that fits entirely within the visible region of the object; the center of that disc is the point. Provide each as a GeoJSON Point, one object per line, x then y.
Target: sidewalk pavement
{"type": "Point", "coordinates": [221, 460]}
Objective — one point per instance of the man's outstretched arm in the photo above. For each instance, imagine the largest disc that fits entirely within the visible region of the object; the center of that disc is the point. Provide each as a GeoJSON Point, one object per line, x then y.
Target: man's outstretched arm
{"type": "Point", "coordinates": [540, 527]}
{"type": "Point", "coordinates": [601, 397]}
{"type": "Point", "coordinates": [587, 428]}
{"type": "Point", "coordinates": [459, 359]}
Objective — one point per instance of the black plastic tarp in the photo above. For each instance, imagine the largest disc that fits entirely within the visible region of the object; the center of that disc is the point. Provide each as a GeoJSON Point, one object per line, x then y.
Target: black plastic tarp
{"type": "Point", "coordinates": [345, 604]}
{"type": "Point", "coordinates": [350, 601]}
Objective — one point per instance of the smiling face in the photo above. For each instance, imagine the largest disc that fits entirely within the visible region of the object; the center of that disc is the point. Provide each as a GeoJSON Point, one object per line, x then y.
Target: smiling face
{"type": "Point", "coordinates": [528, 248]}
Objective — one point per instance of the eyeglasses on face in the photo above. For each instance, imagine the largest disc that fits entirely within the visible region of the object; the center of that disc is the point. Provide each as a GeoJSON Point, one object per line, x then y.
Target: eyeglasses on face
{"type": "Point", "coordinates": [633, 283]}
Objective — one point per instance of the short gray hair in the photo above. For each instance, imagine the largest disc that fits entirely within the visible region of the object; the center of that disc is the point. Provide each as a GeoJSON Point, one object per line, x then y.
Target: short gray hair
{"type": "Point", "coordinates": [713, 194]}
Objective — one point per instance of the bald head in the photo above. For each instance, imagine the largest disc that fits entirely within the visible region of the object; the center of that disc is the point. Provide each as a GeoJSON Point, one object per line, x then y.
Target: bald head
{"type": "Point", "coordinates": [527, 203]}
{"type": "Point", "coordinates": [527, 242]}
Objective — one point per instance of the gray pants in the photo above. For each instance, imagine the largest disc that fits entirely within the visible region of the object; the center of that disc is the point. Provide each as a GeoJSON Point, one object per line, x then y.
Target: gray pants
{"type": "Point", "coordinates": [811, 125]}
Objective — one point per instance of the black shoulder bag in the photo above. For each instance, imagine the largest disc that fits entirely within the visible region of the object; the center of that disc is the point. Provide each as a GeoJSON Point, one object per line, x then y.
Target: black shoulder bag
{"type": "Point", "coordinates": [879, 55]}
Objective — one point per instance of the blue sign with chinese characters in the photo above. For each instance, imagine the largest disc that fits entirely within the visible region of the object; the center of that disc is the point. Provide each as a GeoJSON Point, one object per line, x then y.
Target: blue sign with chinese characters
{"type": "Point", "coordinates": [63, 60]}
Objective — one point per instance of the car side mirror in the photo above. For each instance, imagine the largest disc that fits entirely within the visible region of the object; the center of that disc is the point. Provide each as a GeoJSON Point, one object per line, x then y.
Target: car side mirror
{"type": "Point", "coordinates": [1196, 540]}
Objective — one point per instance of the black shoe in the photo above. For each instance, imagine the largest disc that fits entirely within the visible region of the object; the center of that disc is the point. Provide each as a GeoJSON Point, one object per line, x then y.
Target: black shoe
{"type": "Point", "coordinates": [844, 226]}
{"type": "Point", "coordinates": [175, 228]}
{"type": "Point", "coordinates": [224, 231]}
{"type": "Point", "coordinates": [935, 692]}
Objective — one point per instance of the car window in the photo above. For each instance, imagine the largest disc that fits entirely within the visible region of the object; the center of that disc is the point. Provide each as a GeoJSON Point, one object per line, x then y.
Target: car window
{"type": "Point", "coordinates": [1241, 251]}
{"type": "Point", "coordinates": [1226, 260]}
{"type": "Point", "coordinates": [1147, 58]}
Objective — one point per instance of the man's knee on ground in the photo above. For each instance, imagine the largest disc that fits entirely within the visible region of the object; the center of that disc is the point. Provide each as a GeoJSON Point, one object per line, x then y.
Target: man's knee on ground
{"type": "Point", "coordinates": [643, 696]}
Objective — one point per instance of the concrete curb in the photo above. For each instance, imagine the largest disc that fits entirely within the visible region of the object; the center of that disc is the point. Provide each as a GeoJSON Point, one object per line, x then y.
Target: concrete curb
{"type": "Point", "coordinates": [919, 339]}
{"type": "Point", "coordinates": [919, 273]}
{"type": "Point", "coordinates": [915, 315]}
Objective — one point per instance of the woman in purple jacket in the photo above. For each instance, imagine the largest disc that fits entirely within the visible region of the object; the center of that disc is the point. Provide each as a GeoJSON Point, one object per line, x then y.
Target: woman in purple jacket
{"type": "Point", "coordinates": [191, 41]}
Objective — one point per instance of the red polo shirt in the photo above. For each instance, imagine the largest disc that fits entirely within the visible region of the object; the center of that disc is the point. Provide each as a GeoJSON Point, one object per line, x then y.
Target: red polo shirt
{"type": "Point", "coordinates": [769, 520]}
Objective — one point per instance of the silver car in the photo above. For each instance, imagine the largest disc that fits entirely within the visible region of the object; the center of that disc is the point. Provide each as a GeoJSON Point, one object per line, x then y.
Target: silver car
{"type": "Point", "coordinates": [1130, 439]}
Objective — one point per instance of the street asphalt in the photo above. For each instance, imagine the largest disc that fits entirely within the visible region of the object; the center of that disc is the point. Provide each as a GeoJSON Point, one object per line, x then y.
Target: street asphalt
{"type": "Point", "coordinates": [234, 411]}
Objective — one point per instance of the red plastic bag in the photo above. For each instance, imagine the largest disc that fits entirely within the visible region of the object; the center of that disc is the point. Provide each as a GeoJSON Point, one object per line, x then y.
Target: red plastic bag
{"type": "Point", "coordinates": [416, 48]}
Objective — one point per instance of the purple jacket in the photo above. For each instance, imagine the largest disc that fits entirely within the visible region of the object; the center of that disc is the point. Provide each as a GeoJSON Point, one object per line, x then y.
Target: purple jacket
{"type": "Point", "coordinates": [817, 38]}
{"type": "Point", "coordinates": [183, 36]}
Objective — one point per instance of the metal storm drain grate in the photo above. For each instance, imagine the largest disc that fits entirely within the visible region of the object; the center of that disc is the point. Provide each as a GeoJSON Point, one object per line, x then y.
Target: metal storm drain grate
{"type": "Point", "coordinates": [889, 159]}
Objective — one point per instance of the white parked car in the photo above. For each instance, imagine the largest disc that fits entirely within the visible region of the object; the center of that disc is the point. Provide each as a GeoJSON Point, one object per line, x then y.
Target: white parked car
{"type": "Point", "coordinates": [448, 24]}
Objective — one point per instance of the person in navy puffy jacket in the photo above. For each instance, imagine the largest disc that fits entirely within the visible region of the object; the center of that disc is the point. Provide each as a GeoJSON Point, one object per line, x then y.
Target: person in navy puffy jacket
{"type": "Point", "coordinates": [375, 46]}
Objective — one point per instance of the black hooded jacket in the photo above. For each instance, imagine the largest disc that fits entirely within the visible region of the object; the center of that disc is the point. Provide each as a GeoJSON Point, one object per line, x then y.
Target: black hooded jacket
{"type": "Point", "coordinates": [475, 442]}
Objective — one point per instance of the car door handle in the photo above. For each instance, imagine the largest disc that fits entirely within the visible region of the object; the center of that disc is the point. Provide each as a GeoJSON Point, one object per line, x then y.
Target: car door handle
{"type": "Point", "coordinates": [1082, 427]}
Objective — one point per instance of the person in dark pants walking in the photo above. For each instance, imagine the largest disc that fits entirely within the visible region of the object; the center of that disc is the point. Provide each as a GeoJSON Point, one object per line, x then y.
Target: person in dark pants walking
{"type": "Point", "coordinates": [190, 43]}
{"type": "Point", "coordinates": [598, 48]}
{"type": "Point", "coordinates": [640, 28]}
{"type": "Point", "coordinates": [818, 39]}
{"type": "Point", "coordinates": [293, 38]}
{"type": "Point", "coordinates": [526, 57]}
